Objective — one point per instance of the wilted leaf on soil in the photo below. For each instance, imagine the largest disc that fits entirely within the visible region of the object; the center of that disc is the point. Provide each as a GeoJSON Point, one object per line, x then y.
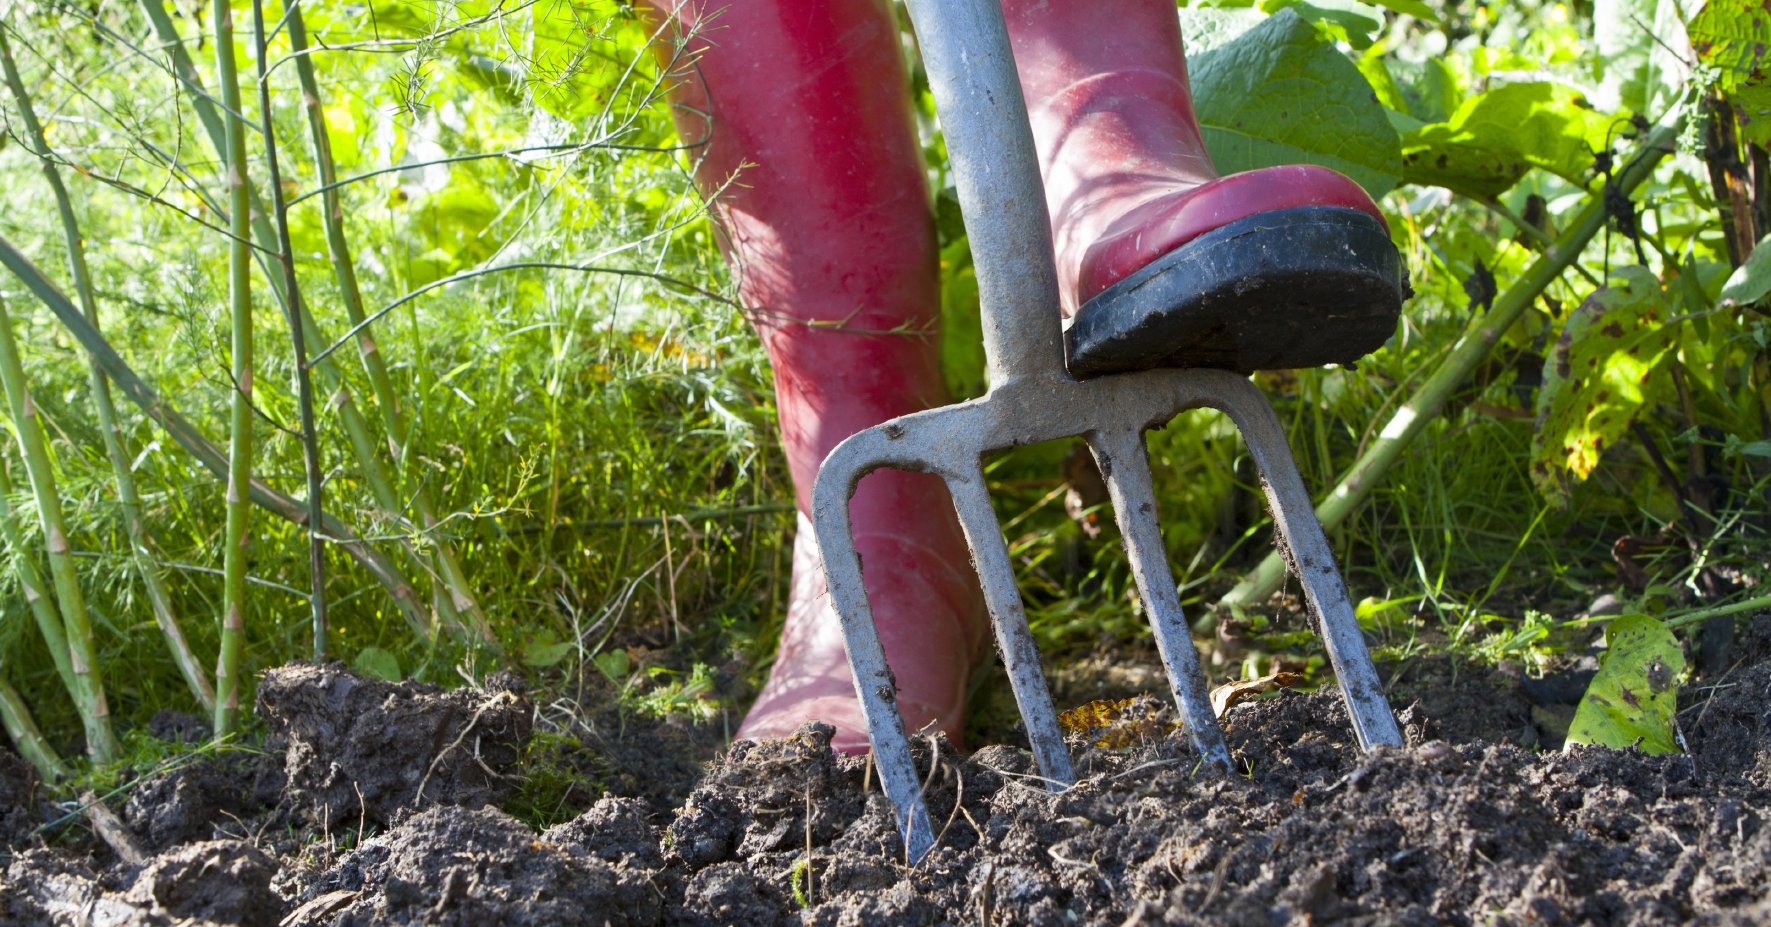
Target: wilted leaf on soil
{"type": "Point", "coordinates": [1597, 379]}
{"type": "Point", "coordinates": [1631, 701]}
{"type": "Point", "coordinates": [1117, 723]}
{"type": "Point", "coordinates": [1280, 94]}
{"type": "Point", "coordinates": [1230, 693]}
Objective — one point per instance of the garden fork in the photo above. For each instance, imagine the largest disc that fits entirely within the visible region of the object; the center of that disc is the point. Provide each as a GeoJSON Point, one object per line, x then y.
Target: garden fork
{"type": "Point", "coordinates": [1032, 398]}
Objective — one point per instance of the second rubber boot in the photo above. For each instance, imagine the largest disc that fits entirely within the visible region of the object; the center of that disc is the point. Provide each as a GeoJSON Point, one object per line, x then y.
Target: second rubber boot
{"type": "Point", "coordinates": [1160, 261]}
{"type": "Point", "coordinates": [807, 155]}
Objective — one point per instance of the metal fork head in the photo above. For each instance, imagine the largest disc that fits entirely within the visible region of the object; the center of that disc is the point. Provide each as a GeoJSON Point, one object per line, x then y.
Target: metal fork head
{"type": "Point", "coordinates": [1111, 414]}
{"type": "Point", "coordinates": [1032, 398]}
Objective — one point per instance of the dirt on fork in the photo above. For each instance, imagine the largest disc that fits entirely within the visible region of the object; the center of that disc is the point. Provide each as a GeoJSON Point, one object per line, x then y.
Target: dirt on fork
{"type": "Point", "coordinates": [1467, 824]}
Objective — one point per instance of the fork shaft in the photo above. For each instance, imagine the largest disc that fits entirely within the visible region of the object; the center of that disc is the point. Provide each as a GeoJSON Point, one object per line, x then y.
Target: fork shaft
{"type": "Point", "coordinates": [965, 49]}
{"type": "Point", "coordinates": [1125, 465]}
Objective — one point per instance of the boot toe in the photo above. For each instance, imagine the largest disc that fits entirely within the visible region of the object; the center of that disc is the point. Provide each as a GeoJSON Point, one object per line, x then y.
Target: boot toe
{"type": "Point", "coordinates": [1297, 287]}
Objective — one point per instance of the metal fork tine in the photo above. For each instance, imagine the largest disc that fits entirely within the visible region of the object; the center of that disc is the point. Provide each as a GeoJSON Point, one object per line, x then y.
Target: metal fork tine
{"type": "Point", "coordinates": [1300, 537]}
{"type": "Point", "coordinates": [1125, 466]}
{"type": "Point", "coordinates": [867, 659]}
{"type": "Point", "coordinates": [996, 573]}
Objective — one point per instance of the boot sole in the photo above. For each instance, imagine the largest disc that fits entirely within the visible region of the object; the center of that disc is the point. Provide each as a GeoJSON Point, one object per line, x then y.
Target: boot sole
{"type": "Point", "coordinates": [1293, 288]}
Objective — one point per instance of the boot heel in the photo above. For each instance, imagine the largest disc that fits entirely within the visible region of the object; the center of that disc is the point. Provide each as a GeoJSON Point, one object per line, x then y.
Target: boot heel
{"type": "Point", "coordinates": [1297, 287]}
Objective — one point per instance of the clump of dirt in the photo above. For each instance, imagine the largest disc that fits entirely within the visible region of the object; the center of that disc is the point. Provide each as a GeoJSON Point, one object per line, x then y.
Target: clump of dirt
{"type": "Point", "coordinates": [187, 803]}
{"type": "Point", "coordinates": [18, 798]}
{"type": "Point", "coordinates": [451, 866]}
{"type": "Point", "coordinates": [1464, 825]}
{"type": "Point", "coordinates": [364, 748]}
{"type": "Point", "coordinates": [211, 882]}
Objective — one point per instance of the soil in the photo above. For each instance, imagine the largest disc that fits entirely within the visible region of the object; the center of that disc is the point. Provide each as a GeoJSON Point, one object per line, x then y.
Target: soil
{"type": "Point", "coordinates": [380, 804]}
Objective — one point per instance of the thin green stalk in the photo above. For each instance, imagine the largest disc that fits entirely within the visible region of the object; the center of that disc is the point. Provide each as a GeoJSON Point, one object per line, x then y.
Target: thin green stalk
{"type": "Point", "coordinates": [36, 591]}
{"type": "Point", "coordinates": [233, 621]}
{"type": "Point", "coordinates": [159, 602]}
{"type": "Point", "coordinates": [16, 717]}
{"type": "Point", "coordinates": [1483, 333]}
{"type": "Point", "coordinates": [1757, 604]}
{"type": "Point", "coordinates": [387, 399]}
{"type": "Point", "coordinates": [186, 435]}
{"type": "Point", "coordinates": [310, 446]}
{"type": "Point", "coordinates": [89, 691]}
{"type": "Point", "coordinates": [356, 427]}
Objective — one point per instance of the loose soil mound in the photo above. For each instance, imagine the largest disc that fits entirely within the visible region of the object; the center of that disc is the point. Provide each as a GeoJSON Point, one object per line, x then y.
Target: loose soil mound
{"type": "Point", "coordinates": [1449, 830]}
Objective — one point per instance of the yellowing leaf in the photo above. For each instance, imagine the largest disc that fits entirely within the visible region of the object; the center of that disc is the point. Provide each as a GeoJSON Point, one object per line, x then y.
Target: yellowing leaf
{"type": "Point", "coordinates": [1597, 379]}
{"type": "Point", "coordinates": [1116, 724]}
{"type": "Point", "coordinates": [1631, 701]}
{"type": "Point", "coordinates": [1733, 36]}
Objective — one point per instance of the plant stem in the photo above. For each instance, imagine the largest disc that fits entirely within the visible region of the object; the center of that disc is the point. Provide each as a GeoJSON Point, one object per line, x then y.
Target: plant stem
{"type": "Point", "coordinates": [344, 270]}
{"type": "Point", "coordinates": [35, 589]}
{"type": "Point", "coordinates": [89, 691]}
{"type": "Point", "coordinates": [1761, 603]}
{"type": "Point", "coordinates": [164, 414]}
{"type": "Point", "coordinates": [362, 442]}
{"type": "Point", "coordinates": [128, 501]}
{"type": "Point", "coordinates": [1479, 338]}
{"type": "Point", "coordinates": [16, 717]}
{"type": "Point", "coordinates": [233, 622]}
{"type": "Point", "coordinates": [310, 448]}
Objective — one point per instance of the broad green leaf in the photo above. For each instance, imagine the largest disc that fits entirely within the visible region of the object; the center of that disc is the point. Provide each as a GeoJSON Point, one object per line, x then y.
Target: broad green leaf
{"type": "Point", "coordinates": [374, 661]}
{"type": "Point", "coordinates": [1597, 379]}
{"type": "Point", "coordinates": [1431, 89]}
{"type": "Point", "coordinates": [1751, 281]}
{"type": "Point", "coordinates": [1414, 8]}
{"type": "Point", "coordinates": [1493, 139]}
{"type": "Point", "coordinates": [1383, 83]}
{"type": "Point", "coordinates": [1733, 36]}
{"type": "Point", "coordinates": [1206, 28]}
{"type": "Point", "coordinates": [1631, 701]}
{"type": "Point", "coordinates": [1279, 94]}
{"type": "Point", "coordinates": [1634, 57]}
{"type": "Point", "coordinates": [1348, 21]}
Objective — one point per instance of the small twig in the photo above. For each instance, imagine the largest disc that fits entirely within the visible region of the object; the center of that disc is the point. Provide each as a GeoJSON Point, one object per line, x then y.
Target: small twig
{"type": "Point", "coordinates": [111, 830]}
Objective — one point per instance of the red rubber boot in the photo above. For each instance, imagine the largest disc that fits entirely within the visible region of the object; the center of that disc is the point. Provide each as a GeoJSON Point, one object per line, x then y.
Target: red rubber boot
{"type": "Point", "coordinates": [1160, 261]}
{"type": "Point", "coordinates": [829, 228]}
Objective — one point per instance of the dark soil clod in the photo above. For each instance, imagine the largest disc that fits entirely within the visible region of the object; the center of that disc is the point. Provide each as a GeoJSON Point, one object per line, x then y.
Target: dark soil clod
{"type": "Point", "coordinates": [1466, 825]}
{"type": "Point", "coordinates": [362, 748]}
